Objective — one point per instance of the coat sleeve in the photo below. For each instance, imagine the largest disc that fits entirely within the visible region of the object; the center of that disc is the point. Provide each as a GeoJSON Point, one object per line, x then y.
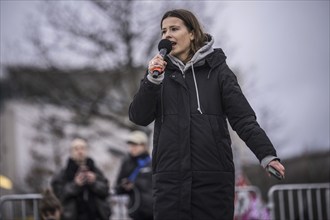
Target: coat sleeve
{"type": "Point", "coordinates": [241, 116]}
{"type": "Point", "coordinates": [121, 175]}
{"type": "Point", "coordinates": [143, 109]}
{"type": "Point", "coordinates": [62, 189]}
{"type": "Point", "coordinates": [101, 185]}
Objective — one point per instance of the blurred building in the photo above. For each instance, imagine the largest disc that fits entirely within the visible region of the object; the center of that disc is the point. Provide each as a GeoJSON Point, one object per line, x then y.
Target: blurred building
{"type": "Point", "coordinates": [38, 121]}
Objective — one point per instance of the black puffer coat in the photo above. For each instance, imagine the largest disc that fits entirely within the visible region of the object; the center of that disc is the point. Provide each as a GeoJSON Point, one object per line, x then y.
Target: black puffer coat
{"type": "Point", "coordinates": [193, 170]}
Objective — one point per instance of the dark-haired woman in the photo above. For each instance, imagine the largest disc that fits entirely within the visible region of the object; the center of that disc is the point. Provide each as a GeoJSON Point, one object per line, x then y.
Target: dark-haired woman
{"type": "Point", "coordinates": [190, 102]}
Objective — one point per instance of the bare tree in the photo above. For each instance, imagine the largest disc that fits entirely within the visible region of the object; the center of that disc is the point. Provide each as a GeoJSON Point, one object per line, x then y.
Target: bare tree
{"type": "Point", "coordinates": [115, 38]}
{"type": "Point", "coordinates": [91, 56]}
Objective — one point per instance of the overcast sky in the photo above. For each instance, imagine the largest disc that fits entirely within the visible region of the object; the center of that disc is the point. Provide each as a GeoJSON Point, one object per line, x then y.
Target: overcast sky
{"type": "Point", "coordinates": [281, 48]}
{"type": "Point", "coordinates": [285, 46]}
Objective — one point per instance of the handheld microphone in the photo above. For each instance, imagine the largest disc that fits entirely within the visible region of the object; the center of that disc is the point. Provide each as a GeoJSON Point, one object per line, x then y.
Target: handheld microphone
{"type": "Point", "coordinates": [164, 47]}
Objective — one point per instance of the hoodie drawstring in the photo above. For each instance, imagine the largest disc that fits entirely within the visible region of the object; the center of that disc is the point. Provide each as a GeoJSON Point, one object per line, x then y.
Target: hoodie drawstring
{"type": "Point", "coordinates": [197, 94]}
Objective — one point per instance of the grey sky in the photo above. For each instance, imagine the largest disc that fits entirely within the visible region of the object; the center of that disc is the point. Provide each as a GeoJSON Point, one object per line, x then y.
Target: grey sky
{"type": "Point", "coordinates": [281, 47]}
{"type": "Point", "coordinates": [284, 46]}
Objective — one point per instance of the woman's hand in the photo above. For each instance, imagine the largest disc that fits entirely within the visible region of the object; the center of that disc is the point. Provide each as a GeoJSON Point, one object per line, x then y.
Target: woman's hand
{"type": "Point", "coordinates": [278, 166]}
{"type": "Point", "coordinates": [157, 63]}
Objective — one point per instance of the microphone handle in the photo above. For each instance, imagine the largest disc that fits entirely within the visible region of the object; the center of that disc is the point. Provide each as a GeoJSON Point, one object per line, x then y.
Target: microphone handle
{"type": "Point", "coordinates": [157, 71]}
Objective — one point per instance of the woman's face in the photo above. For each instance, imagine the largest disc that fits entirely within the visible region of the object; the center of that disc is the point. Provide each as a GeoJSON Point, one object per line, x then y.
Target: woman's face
{"type": "Point", "coordinates": [174, 29]}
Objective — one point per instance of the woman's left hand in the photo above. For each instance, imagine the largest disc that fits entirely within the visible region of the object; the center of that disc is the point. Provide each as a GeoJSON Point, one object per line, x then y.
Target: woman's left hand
{"type": "Point", "coordinates": [157, 63]}
{"type": "Point", "coordinates": [278, 166]}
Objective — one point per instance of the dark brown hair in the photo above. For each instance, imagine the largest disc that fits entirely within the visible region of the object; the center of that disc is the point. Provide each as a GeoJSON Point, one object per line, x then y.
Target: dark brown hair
{"type": "Point", "coordinates": [49, 203]}
{"type": "Point", "coordinates": [193, 25]}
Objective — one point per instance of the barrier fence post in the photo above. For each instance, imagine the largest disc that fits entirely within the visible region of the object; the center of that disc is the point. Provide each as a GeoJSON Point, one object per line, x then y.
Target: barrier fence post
{"type": "Point", "coordinates": [303, 201]}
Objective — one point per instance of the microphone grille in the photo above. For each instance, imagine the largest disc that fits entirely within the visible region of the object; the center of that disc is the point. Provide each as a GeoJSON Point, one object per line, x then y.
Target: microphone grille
{"type": "Point", "coordinates": [165, 44]}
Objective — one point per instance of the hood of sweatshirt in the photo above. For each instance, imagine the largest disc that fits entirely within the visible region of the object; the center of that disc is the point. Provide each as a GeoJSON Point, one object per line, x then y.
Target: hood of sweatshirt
{"type": "Point", "coordinates": [196, 60]}
{"type": "Point", "coordinates": [198, 56]}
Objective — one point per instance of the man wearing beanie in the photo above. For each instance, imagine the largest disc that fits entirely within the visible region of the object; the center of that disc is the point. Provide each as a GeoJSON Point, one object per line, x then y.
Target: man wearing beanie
{"type": "Point", "coordinates": [135, 177]}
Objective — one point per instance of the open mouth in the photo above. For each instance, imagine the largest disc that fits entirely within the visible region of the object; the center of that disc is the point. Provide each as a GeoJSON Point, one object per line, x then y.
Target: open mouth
{"type": "Point", "coordinates": [173, 43]}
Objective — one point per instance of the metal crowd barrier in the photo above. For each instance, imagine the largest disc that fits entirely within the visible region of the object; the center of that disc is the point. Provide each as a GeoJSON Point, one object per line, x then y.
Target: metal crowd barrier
{"type": "Point", "coordinates": [286, 202]}
{"type": "Point", "coordinates": [119, 208]}
{"type": "Point", "coordinates": [25, 207]}
{"type": "Point", "coordinates": [300, 201]}
{"type": "Point", "coordinates": [19, 206]}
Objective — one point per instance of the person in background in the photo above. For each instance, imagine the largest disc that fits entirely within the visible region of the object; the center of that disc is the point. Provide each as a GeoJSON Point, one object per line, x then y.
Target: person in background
{"type": "Point", "coordinates": [135, 178]}
{"type": "Point", "coordinates": [190, 103]}
{"type": "Point", "coordinates": [81, 187]}
{"type": "Point", "coordinates": [49, 206]}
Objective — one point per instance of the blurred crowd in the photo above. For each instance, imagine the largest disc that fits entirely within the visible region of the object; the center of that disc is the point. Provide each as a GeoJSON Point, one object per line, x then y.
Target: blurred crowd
{"type": "Point", "coordinates": [81, 191]}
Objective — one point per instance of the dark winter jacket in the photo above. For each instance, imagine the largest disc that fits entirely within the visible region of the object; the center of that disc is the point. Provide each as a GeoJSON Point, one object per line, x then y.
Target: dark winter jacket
{"type": "Point", "coordinates": [76, 200]}
{"type": "Point", "coordinates": [141, 195]}
{"type": "Point", "coordinates": [193, 169]}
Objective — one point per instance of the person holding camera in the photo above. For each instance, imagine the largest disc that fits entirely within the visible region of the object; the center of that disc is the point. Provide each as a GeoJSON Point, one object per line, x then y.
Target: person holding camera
{"type": "Point", "coordinates": [81, 187]}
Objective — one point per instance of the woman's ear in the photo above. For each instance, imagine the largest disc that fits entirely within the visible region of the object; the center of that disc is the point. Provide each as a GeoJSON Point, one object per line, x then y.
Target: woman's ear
{"type": "Point", "coordinates": [192, 36]}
